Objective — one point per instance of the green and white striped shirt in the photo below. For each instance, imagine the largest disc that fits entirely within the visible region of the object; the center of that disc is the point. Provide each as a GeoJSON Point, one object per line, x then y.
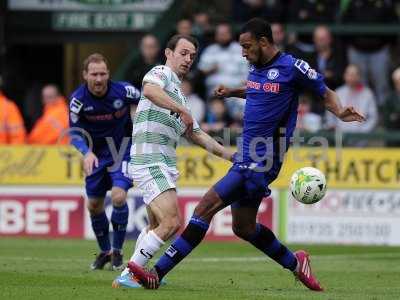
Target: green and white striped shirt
{"type": "Point", "coordinates": [156, 130]}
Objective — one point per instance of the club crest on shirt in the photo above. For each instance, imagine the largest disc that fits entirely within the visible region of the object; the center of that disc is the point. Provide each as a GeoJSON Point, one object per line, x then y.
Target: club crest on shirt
{"type": "Point", "coordinates": [312, 74]}
{"type": "Point", "coordinates": [272, 74]}
{"type": "Point", "coordinates": [118, 103]}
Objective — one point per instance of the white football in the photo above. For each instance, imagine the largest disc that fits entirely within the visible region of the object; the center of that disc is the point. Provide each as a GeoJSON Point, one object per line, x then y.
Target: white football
{"type": "Point", "coordinates": [308, 185]}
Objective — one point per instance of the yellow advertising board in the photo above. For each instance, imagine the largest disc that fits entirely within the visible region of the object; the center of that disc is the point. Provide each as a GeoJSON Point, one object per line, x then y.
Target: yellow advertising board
{"type": "Point", "coordinates": [358, 168]}
{"type": "Point", "coordinates": [40, 165]}
{"type": "Point", "coordinates": [375, 168]}
{"type": "Point", "coordinates": [344, 168]}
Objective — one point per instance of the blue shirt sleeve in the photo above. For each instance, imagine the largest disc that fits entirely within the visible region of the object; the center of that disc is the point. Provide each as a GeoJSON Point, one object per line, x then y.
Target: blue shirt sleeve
{"type": "Point", "coordinates": [77, 131]}
{"type": "Point", "coordinates": [307, 78]}
{"type": "Point", "coordinates": [132, 94]}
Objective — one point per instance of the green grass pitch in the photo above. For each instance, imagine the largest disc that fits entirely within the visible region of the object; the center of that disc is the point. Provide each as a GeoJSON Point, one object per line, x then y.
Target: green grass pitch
{"type": "Point", "coordinates": [59, 269]}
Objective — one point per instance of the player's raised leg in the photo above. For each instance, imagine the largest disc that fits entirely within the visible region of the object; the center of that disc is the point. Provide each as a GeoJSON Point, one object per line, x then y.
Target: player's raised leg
{"type": "Point", "coordinates": [244, 225]}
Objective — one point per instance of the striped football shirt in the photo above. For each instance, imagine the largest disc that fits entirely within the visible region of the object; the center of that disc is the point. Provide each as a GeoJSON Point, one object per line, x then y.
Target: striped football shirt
{"type": "Point", "coordinates": [156, 130]}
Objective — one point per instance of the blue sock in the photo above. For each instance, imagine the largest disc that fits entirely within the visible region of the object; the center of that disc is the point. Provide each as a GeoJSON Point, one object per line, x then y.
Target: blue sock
{"type": "Point", "coordinates": [182, 246]}
{"type": "Point", "coordinates": [265, 240]}
{"type": "Point", "coordinates": [100, 227]}
{"type": "Point", "coordinates": [119, 220]}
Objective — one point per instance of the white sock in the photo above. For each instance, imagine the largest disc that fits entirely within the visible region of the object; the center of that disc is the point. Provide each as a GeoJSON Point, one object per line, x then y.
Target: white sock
{"type": "Point", "coordinates": [149, 246]}
{"type": "Point", "coordinates": [139, 239]}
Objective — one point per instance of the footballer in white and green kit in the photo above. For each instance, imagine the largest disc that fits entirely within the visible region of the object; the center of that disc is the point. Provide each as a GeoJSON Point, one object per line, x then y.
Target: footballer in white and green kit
{"type": "Point", "coordinates": [161, 118]}
{"type": "Point", "coordinates": [156, 133]}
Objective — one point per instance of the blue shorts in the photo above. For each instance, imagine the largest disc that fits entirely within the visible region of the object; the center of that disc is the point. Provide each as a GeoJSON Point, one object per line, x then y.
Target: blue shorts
{"type": "Point", "coordinates": [102, 179]}
{"type": "Point", "coordinates": [244, 186]}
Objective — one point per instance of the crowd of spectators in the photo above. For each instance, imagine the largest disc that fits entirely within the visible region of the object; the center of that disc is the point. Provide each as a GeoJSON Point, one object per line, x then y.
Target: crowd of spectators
{"type": "Point", "coordinates": [357, 66]}
{"type": "Point", "coordinates": [49, 129]}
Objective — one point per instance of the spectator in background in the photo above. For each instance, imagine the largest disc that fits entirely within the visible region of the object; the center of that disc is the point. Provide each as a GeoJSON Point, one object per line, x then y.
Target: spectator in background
{"type": "Point", "coordinates": [50, 127]}
{"type": "Point", "coordinates": [328, 61]}
{"type": "Point", "coordinates": [202, 29]}
{"type": "Point", "coordinates": [371, 52]}
{"type": "Point", "coordinates": [306, 119]}
{"type": "Point", "coordinates": [310, 12]}
{"type": "Point", "coordinates": [149, 57]}
{"type": "Point", "coordinates": [217, 116]}
{"type": "Point", "coordinates": [279, 36]}
{"type": "Point", "coordinates": [184, 26]}
{"type": "Point", "coordinates": [12, 129]}
{"type": "Point", "coordinates": [391, 107]}
{"type": "Point", "coordinates": [271, 10]}
{"type": "Point", "coordinates": [204, 32]}
{"type": "Point", "coordinates": [355, 93]}
{"type": "Point", "coordinates": [222, 64]}
{"type": "Point", "coordinates": [286, 43]}
{"type": "Point", "coordinates": [196, 104]}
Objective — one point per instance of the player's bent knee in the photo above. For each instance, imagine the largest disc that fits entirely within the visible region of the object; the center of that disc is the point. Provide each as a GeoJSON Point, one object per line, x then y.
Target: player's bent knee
{"type": "Point", "coordinates": [243, 231]}
{"type": "Point", "coordinates": [118, 201]}
{"type": "Point", "coordinates": [95, 207]}
{"type": "Point", "coordinates": [118, 198]}
{"type": "Point", "coordinates": [209, 205]}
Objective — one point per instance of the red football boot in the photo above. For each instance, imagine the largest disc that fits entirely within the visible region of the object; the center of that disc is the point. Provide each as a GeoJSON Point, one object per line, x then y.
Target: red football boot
{"type": "Point", "coordinates": [149, 279]}
{"type": "Point", "coordinates": [303, 271]}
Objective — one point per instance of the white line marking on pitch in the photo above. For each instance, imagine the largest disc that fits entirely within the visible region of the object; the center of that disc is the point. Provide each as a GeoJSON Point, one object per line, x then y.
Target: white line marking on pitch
{"type": "Point", "coordinates": [208, 259]}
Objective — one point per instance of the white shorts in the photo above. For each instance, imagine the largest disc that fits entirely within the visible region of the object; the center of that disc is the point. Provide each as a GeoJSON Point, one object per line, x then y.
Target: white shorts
{"type": "Point", "coordinates": [154, 180]}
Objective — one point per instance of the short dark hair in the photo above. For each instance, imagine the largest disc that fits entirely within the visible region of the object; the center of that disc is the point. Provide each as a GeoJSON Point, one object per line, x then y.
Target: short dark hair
{"type": "Point", "coordinates": [173, 41]}
{"type": "Point", "coordinates": [258, 28]}
{"type": "Point", "coordinates": [94, 58]}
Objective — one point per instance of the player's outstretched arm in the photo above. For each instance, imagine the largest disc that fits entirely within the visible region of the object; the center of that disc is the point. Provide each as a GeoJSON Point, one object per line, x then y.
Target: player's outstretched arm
{"type": "Point", "coordinates": [346, 113]}
{"type": "Point", "coordinates": [224, 92]}
{"type": "Point", "coordinates": [208, 143]}
{"type": "Point", "coordinates": [159, 97]}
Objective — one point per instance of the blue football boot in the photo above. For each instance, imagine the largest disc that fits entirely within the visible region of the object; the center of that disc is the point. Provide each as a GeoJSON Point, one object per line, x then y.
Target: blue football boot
{"type": "Point", "coordinates": [128, 281]}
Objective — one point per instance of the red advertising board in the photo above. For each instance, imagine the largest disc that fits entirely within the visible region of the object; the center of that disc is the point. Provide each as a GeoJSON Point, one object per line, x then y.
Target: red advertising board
{"type": "Point", "coordinates": [61, 213]}
{"type": "Point", "coordinates": [221, 226]}
{"type": "Point", "coordinates": [42, 215]}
